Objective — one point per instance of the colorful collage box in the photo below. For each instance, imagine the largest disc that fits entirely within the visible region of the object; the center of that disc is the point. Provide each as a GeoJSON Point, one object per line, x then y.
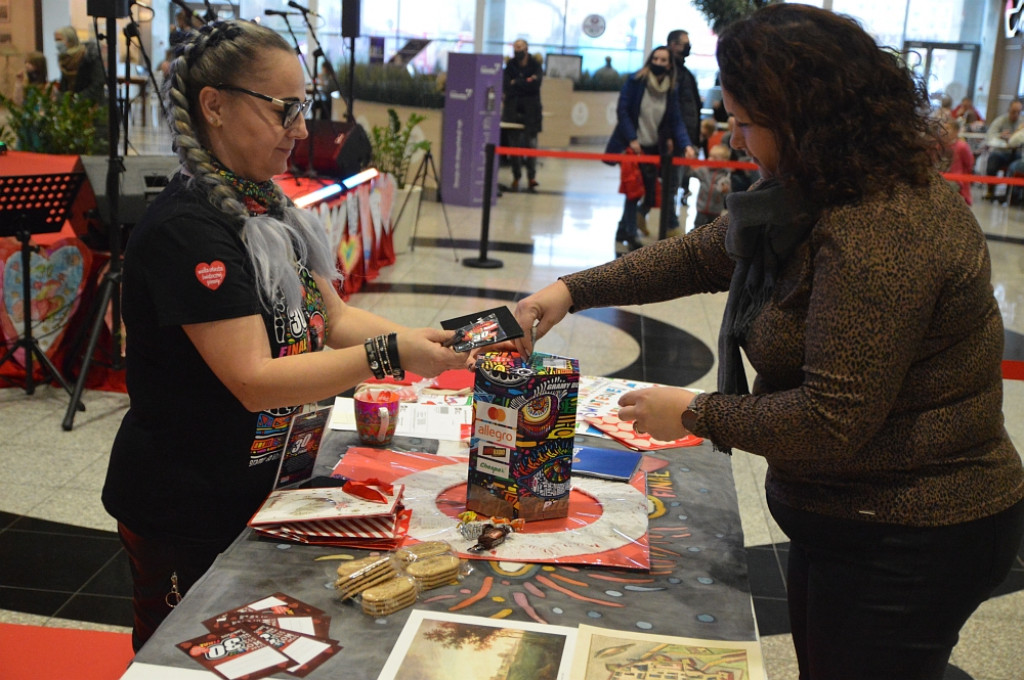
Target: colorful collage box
{"type": "Point", "coordinates": [524, 422]}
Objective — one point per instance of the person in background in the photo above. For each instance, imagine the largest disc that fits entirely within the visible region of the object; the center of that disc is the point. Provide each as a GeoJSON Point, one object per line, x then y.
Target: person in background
{"type": "Point", "coordinates": [678, 42]}
{"type": "Point", "coordinates": [229, 296]}
{"type": "Point", "coordinates": [522, 105]}
{"type": "Point", "coordinates": [960, 158]}
{"type": "Point", "coordinates": [33, 74]}
{"type": "Point", "coordinates": [1001, 152]}
{"type": "Point", "coordinates": [606, 72]}
{"type": "Point", "coordinates": [707, 131]}
{"type": "Point", "coordinates": [859, 289]}
{"type": "Point", "coordinates": [648, 123]}
{"type": "Point", "coordinates": [182, 29]}
{"type": "Point", "coordinates": [945, 110]}
{"type": "Point", "coordinates": [965, 110]}
{"type": "Point", "coordinates": [81, 69]}
{"type": "Point", "coordinates": [715, 185]}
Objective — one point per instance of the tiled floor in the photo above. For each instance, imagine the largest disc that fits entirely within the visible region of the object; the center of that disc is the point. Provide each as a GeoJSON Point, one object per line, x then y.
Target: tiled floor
{"type": "Point", "coordinates": [60, 562]}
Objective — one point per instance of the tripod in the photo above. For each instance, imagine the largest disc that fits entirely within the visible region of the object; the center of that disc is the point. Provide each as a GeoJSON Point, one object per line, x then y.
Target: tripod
{"type": "Point", "coordinates": [420, 179]}
{"type": "Point", "coordinates": [109, 290]}
{"type": "Point", "coordinates": [42, 202]}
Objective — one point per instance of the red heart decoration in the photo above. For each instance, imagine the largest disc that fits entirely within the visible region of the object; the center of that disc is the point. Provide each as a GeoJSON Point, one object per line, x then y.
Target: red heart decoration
{"type": "Point", "coordinates": [58, 276]}
{"type": "Point", "coordinates": [211, 275]}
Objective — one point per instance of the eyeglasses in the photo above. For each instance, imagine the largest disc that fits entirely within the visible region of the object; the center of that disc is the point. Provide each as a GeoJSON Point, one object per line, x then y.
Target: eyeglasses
{"type": "Point", "coordinates": [292, 108]}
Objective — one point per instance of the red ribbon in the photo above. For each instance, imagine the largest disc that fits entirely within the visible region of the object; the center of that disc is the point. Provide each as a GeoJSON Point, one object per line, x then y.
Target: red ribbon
{"type": "Point", "coordinates": [372, 490]}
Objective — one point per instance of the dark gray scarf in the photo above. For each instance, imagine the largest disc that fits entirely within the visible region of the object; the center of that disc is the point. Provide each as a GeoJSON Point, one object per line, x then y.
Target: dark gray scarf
{"type": "Point", "coordinates": [765, 227]}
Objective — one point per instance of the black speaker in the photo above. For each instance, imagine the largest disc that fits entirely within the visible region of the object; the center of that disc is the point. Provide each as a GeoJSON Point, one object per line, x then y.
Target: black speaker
{"type": "Point", "coordinates": [143, 178]}
{"type": "Point", "coordinates": [118, 9]}
{"type": "Point", "coordinates": [349, 18]}
{"type": "Point", "coordinates": [333, 148]}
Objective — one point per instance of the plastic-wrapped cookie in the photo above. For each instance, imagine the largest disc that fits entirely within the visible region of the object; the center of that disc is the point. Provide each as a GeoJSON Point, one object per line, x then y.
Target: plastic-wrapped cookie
{"type": "Point", "coordinates": [356, 576]}
{"type": "Point", "coordinates": [388, 597]}
{"type": "Point", "coordinates": [421, 551]}
{"type": "Point", "coordinates": [435, 571]}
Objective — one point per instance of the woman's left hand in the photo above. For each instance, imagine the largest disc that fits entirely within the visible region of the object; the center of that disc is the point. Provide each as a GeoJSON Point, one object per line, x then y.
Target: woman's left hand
{"type": "Point", "coordinates": [657, 411]}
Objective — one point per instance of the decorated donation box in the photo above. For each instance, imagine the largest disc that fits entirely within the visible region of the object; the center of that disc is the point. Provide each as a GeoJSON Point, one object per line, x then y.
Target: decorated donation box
{"type": "Point", "coordinates": [520, 459]}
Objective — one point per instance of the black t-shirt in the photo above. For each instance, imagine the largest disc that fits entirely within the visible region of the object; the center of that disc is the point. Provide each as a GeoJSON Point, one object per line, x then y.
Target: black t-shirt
{"type": "Point", "coordinates": [189, 462]}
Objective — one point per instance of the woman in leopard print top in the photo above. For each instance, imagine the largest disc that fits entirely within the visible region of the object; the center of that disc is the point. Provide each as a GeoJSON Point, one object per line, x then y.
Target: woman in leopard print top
{"type": "Point", "coordinates": [860, 293]}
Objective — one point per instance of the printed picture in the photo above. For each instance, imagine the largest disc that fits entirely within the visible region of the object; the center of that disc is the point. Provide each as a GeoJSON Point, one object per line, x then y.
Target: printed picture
{"type": "Point", "coordinates": [439, 646]}
{"type": "Point", "coordinates": [603, 654]}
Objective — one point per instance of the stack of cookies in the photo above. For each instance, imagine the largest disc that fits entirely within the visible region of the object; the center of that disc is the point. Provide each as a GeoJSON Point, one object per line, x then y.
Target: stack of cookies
{"type": "Point", "coordinates": [390, 596]}
{"type": "Point", "coordinates": [434, 571]}
{"type": "Point", "coordinates": [356, 576]}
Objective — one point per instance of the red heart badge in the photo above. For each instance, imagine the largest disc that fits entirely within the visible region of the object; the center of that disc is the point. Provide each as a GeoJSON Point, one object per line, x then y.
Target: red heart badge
{"type": "Point", "coordinates": [211, 275]}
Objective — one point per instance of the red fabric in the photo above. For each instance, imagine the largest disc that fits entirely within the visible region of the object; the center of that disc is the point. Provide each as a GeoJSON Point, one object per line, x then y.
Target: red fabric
{"type": "Point", "coordinates": [631, 182]}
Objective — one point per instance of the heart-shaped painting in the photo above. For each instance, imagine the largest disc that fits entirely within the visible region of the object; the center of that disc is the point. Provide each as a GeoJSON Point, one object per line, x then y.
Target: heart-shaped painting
{"type": "Point", "coordinates": [57, 275]}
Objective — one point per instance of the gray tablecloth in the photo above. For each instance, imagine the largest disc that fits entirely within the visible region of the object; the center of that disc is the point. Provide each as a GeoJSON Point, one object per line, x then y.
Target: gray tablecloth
{"type": "Point", "coordinates": [697, 586]}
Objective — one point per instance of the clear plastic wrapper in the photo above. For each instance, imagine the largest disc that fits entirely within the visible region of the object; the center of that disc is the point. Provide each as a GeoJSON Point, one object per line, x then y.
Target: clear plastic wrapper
{"type": "Point", "coordinates": [358, 575]}
{"type": "Point", "coordinates": [431, 564]}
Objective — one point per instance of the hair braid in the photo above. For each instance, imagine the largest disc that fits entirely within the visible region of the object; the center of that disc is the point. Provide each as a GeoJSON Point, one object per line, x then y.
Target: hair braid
{"type": "Point", "coordinates": [215, 55]}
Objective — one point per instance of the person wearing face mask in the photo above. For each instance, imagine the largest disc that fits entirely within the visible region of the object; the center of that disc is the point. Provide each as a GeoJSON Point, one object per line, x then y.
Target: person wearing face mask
{"type": "Point", "coordinates": [648, 123]}
{"type": "Point", "coordinates": [81, 70]}
{"type": "Point", "coordinates": [521, 92]}
{"type": "Point", "coordinates": [678, 42]}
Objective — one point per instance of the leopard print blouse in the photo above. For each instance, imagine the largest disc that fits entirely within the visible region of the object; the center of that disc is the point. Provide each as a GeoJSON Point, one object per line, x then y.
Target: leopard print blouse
{"type": "Point", "coordinates": [878, 393]}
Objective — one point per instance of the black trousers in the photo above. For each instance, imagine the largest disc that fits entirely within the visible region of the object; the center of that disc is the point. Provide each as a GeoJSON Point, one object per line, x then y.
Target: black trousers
{"type": "Point", "coordinates": [870, 601]}
{"type": "Point", "coordinates": [157, 567]}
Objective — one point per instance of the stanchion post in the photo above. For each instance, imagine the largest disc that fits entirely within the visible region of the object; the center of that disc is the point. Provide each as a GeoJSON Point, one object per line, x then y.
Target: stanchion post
{"type": "Point", "coordinates": [667, 197]}
{"type": "Point", "coordinates": [485, 220]}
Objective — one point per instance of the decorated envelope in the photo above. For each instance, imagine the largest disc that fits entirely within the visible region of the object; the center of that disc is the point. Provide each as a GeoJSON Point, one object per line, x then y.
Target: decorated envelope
{"type": "Point", "coordinates": [623, 432]}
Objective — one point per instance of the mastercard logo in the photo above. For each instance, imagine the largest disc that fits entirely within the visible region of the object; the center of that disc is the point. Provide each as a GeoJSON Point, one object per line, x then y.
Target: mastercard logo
{"type": "Point", "coordinates": [495, 414]}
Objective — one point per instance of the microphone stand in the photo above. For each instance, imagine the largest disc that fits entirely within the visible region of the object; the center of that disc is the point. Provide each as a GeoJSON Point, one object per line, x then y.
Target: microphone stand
{"type": "Point", "coordinates": [109, 290]}
{"type": "Point", "coordinates": [309, 172]}
{"type": "Point", "coordinates": [318, 53]}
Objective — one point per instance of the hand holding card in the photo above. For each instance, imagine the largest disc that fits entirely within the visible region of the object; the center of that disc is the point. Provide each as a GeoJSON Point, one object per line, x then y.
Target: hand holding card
{"type": "Point", "coordinates": [482, 329]}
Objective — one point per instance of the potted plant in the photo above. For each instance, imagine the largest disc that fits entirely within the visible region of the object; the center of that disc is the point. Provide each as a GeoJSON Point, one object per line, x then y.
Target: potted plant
{"type": "Point", "coordinates": [392, 150]}
{"type": "Point", "coordinates": [392, 153]}
{"type": "Point", "coordinates": [51, 122]}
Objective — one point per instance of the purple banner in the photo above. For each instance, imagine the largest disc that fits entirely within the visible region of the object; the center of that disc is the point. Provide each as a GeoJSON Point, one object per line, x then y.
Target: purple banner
{"type": "Point", "coordinates": [472, 118]}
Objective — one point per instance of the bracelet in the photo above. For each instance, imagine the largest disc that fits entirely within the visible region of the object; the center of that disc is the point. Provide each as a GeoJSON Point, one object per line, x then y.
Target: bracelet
{"type": "Point", "coordinates": [373, 359]}
{"type": "Point", "coordinates": [396, 371]}
{"type": "Point", "coordinates": [385, 356]}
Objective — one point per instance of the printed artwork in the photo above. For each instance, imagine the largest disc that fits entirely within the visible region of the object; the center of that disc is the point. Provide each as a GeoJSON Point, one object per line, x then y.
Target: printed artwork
{"type": "Point", "coordinates": [57, 276]}
{"type": "Point", "coordinates": [604, 654]}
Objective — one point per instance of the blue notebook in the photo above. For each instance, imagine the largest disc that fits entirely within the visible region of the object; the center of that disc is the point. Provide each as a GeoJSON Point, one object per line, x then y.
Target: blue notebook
{"type": "Point", "coordinates": [615, 464]}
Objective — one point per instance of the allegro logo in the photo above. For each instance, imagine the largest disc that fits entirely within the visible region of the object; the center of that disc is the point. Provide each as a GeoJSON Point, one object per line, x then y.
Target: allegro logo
{"type": "Point", "coordinates": [496, 434]}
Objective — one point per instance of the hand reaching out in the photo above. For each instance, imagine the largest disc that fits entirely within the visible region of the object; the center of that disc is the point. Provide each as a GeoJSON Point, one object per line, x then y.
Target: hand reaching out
{"type": "Point", "coordinates": [657, 411]}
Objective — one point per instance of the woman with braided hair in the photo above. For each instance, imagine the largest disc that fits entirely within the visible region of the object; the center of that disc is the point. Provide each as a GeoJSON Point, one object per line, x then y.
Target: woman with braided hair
{"type": "Point", "coordinates": [228, 298]}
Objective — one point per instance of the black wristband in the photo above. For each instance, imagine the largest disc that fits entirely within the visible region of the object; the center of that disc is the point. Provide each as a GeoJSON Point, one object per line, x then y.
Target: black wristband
{"type": "Point", "coordinates": [396, 365]}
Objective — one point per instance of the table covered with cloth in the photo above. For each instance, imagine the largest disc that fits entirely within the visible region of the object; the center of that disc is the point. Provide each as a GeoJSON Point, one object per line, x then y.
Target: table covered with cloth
{"type": "Point", "coordinates": [697, 585]}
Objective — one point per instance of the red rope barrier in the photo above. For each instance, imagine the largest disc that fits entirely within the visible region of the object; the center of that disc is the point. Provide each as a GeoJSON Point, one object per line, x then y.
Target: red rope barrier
{"type": "Point", "coordinates": [1013, 370]}
{"type": "Point", "coordinates": [734, 165]}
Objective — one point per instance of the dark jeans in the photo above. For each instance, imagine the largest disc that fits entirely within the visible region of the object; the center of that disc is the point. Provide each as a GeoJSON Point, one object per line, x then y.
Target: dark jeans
{"type": "Point", "coordinates": [523, 139]}
{"type": "Point", "coordinates": [999, 160]}
{"type": "Point", "coordinates": [870, 601]}
{"type": "Point", "coordinates": [152, 565]}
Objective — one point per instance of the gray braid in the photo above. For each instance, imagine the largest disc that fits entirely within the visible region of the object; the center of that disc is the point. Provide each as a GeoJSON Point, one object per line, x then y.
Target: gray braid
{"type": "Point", "coordinates": [214, 55]}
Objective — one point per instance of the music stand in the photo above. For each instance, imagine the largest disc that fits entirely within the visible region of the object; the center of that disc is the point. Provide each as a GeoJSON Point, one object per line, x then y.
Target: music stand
{"type": "Point", "coordinates": [421, 178]}
{"type": "Point", "coordinates": [35, 204]}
